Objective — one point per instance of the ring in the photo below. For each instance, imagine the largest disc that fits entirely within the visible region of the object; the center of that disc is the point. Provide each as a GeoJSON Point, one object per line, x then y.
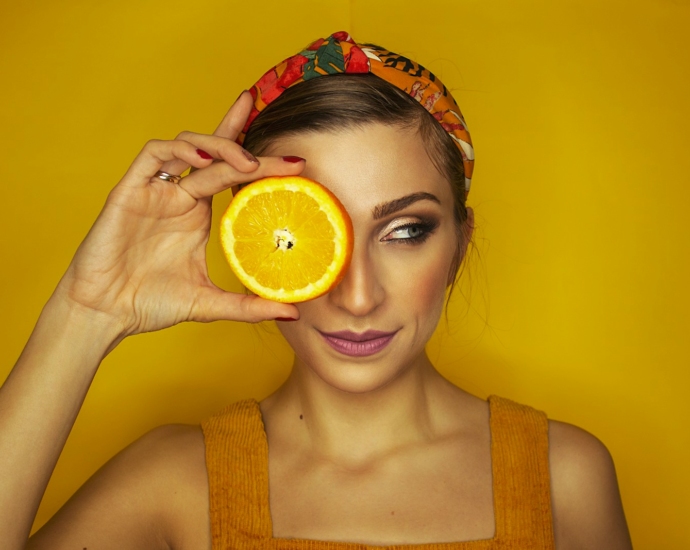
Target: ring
{"type": "Point", "coordinates": [167, 177]}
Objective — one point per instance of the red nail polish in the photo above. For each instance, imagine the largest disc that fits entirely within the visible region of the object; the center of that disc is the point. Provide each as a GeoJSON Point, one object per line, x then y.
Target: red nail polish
{"type": "Point", "coordinates": [203, 154]}
{"type": "Point", "coordinates": [292, 159]}
{"type": "Point", "coordinates": [284, 319]}
{"type": "Point", "coordinates": [250, 157]}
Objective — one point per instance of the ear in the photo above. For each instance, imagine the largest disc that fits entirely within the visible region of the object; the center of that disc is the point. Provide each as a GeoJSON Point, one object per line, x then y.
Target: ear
{"type": "Point", "coordinates": [467, 232]}
{"type": "Point", "coordinates": [470, 227]}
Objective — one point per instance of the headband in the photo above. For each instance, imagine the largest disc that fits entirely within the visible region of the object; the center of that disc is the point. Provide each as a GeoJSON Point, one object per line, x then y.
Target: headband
{"type": "Point", "coordinates": [339, 53]}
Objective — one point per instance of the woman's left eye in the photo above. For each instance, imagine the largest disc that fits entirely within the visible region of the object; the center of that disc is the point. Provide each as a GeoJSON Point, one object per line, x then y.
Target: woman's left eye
{"type": "Point", "coordinates": [415, 232]}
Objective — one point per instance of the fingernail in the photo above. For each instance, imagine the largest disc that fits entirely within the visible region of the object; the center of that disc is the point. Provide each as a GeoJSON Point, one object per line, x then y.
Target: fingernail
{"type": "Point", "coordinates": [292, 159]}
{"type": "Point", "coordinates": [250, 157]}
{"type": "Point", "coordinates": [285, 319]}
{"type": "Point", "coordinates": [203, 154]}
{"type": "Point", "coordinates": [239, 96]}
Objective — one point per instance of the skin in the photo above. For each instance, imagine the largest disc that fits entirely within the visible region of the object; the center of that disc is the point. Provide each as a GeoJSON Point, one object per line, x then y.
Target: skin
{"type": "Point", "coordinates": [375, 433]}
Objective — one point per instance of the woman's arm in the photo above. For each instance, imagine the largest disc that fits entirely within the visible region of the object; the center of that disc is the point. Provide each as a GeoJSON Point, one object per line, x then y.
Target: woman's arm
{"type": "Point", "coordinates": [587, 507]}
{"type": "Point", "coordinates": [39, 403]}
{"type": "Point", "coordinates": [152, 495]}
{"type": "Point", "coordinates": [142, 267]}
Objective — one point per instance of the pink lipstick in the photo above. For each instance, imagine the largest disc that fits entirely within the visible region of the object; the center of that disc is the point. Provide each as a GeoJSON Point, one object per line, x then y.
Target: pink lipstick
{"type": "Point", "coordinates": [358, 345]}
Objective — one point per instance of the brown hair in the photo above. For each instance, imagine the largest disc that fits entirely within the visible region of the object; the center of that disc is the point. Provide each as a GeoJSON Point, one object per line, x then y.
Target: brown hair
{"type": "Point", "coordinates": [355, 100]}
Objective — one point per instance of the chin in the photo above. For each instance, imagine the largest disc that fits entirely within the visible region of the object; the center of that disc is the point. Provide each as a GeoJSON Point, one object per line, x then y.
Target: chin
{"type": "Point", "coordinates": [358, 375]}
{"type": "Point", "coordinates": [356, 378]}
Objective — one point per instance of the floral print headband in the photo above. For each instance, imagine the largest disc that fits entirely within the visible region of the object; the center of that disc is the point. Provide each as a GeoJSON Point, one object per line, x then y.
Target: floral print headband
{"type": "Point", "coordinates": [339, 53]}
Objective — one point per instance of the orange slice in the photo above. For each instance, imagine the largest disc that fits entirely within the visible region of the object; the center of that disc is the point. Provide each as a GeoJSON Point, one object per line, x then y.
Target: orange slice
{"type": "Point", "coordinates": [287, 238]}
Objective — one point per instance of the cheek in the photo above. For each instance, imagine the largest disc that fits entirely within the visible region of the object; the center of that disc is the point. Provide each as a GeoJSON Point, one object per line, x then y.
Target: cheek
{"type": "Point", "coordinates": [420, 276]}
{"type": "Point", "coordinates": [309, 313]}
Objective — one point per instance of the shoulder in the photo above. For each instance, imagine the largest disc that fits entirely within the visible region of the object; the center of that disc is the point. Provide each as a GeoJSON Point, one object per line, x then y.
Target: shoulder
{"type": "Point", "coordinates": [167, 458]}
{"type": "Point", "coordinates": [170, 445]}
{"type": "Point", "coordinates": [153, 494]}
{"type": "Point", "coordinates": [587, 508]}
{"type": "Point", "coordinates": [172, 455]}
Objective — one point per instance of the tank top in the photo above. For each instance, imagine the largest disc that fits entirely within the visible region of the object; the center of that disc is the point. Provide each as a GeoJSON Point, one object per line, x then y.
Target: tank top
{"type": "Point", "coordinates": [237, 464]}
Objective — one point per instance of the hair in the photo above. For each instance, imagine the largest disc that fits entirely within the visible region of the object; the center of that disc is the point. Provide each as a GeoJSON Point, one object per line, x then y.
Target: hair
{"type": "Point", "coordinates": [356, 100]}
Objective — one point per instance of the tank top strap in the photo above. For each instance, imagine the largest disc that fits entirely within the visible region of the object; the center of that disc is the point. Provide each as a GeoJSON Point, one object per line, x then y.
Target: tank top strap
{"type": "Point", "coordinates": [520, 465]}
{"type": "Point", "coordinates": [237, 467]}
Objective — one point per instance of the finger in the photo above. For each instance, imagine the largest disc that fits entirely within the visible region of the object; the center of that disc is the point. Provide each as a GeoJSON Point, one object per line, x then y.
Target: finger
{"type": "Point", "coordinates": [229, 128]}
{"type": "Point", "coordinates": [155, 154]}
{"type": "Point", "coordinates": [235, 119]}
{"type": "Point", "coordinates": [214, 304]}
{"type": "Point", "coordinates": [215, 148]}
{"type": "Point", "coordinates": [221, 176]}
{"type": "Point", "coordinates": [290, 159]}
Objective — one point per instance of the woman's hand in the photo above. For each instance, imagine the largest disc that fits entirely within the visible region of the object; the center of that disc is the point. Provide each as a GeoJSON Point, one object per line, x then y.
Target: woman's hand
{"type": "Point", "coordinates": [143, 263]}
{"type": "Point", "coordinates": [142, 267]}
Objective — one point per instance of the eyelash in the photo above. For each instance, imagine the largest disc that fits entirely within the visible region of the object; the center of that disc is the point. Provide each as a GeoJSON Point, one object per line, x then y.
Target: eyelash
{"type": "Point", "coordinates": [426, 226]}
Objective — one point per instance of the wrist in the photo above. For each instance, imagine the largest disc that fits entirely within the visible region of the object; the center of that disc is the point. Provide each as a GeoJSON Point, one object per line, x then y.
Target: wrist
{"type": "Point", "coordinates": [91, 329]}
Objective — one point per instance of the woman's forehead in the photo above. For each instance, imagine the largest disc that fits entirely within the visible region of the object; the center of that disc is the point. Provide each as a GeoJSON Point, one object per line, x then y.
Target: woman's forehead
{"type": "Point", "coordinates": [367, 166]}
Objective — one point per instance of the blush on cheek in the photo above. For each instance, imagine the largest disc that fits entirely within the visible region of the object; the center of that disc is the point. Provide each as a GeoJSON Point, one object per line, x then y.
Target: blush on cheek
{"type": "Point", "coordinates": [422, 291]}
{"type": "Point", "coordinates": [431, 290]}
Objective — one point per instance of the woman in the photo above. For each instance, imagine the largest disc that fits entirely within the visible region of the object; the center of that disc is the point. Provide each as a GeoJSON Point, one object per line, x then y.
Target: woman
{"type": "Point", "coordinates": [365, 444]}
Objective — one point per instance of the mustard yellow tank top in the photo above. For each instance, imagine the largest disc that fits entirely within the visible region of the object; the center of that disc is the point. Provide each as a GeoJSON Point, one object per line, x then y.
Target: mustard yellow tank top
{"type": "Point", "coordinates": [237, 463]}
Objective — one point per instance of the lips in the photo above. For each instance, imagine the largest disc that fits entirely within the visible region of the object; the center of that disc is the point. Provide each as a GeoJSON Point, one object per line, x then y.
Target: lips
{"type": "Point", "coordinates": [358, 337]}
{"type": "Point", "coordinates": [358, 344]}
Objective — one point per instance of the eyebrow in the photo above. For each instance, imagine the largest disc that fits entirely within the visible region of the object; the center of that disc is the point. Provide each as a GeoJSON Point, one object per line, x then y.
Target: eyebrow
{"type": "Point", "coordinates": [387, 208]}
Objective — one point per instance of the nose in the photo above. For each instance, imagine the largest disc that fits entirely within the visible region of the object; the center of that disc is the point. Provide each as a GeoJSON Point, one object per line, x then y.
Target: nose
{"type": "Point", "coordinates": [360, 291]}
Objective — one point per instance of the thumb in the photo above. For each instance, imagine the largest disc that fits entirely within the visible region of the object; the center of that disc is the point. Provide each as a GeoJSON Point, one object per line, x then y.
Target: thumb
{"type": "Point", "coordinates": [215, 304]}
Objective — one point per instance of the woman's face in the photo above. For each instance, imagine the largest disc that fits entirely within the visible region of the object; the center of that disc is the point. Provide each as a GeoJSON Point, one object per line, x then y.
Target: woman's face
{"type": "Point", "coordinates": [398, 275]}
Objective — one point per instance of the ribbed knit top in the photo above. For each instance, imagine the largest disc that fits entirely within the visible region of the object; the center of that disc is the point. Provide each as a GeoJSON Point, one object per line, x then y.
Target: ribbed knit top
{"type": "Point", "coordinates": [237, 464]}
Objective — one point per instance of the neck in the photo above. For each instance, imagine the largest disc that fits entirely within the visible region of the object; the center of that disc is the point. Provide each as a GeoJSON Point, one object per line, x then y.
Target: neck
{"type": "Point", "coordinates": [355, 428]}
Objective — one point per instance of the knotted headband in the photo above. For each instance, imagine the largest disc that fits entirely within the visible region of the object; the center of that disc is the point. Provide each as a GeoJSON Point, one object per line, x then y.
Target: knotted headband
{"type": "Point", "coordinates": [339, 53]}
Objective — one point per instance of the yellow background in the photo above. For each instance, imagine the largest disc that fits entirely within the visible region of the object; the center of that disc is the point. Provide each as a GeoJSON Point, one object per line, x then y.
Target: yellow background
{"type": "Point", "coordinates": [578, 299]}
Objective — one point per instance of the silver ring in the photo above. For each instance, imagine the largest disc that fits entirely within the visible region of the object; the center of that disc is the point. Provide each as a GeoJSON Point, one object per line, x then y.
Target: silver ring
{"type": "Point", "coordinates": [167, 177]}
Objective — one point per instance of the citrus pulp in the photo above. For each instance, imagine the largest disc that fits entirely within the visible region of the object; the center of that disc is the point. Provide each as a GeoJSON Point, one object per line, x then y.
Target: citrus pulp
{"type": "Point", "coordinates": [287, 238]}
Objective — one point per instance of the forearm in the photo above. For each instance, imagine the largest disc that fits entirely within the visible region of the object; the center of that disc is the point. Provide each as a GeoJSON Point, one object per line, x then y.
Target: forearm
{"type": "Point", "coordinates": [39, 403]}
